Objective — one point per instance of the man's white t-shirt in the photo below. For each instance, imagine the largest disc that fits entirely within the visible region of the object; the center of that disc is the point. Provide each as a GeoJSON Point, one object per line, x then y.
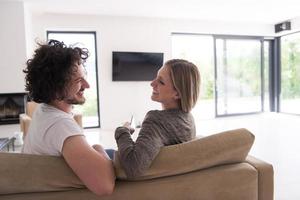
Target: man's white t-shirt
{"type": "Point", "coordinates": [48, 130]}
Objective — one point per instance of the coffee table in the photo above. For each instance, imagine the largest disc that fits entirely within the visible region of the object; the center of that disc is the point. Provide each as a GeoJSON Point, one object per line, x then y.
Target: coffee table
{"type": "Point", "coordinates": [6, 142]}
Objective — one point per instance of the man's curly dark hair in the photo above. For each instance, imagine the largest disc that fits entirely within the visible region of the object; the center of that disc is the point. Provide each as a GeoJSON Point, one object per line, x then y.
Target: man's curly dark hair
{"type": "Point", "coordinates": [49, 72]}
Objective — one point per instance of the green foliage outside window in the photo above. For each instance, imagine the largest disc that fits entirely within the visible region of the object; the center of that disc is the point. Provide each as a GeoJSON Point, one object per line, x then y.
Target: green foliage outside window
{"type": "Point", "coordinates": [246, 70]}
{"type": "Point", "coordinates": [90, 105]}
{"type": "Point", "coordinates": [206, 69]}
{"type": "Point", "coordinates": [290, 69]}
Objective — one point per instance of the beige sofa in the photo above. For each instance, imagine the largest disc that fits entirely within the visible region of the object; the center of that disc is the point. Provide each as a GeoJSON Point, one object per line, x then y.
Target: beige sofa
{"type": "Point", "coordinates": [216, 167]}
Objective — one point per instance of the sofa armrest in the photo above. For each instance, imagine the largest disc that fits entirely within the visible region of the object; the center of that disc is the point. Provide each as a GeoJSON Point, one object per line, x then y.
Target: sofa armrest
{"type": "Point", "coordinates": [265, 178]}
{"type": "Point", "coordinates": [30, 108]}
{"type": "Point", "coordinates": [24, 123]}
{"type": "Point", "coordinates": [78, 118]}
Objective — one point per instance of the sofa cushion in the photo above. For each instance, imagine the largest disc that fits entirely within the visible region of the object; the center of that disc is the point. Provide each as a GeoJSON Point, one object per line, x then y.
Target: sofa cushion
{"type": "Point", "coordinates": [223, 148]}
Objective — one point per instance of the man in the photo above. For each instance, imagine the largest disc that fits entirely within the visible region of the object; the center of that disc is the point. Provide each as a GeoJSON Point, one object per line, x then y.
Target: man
{"type": "Point", "coordinates": [55, 78]}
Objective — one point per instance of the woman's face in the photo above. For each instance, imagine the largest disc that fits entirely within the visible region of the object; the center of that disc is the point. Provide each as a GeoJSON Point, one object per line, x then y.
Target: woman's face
{"type": "Point", "coordinates": [164, 90]}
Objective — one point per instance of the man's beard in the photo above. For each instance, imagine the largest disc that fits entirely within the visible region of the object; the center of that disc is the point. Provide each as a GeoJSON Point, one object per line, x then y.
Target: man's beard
{"type": "Point", "coordinates": [75, 101]}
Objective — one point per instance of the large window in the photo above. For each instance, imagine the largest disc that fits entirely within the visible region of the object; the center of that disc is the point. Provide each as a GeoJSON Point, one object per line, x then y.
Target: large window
{"type": "Point", "coordinates": [90, 109]}
{"type": "Point", "coordinates": [238, 75]}
{"type": "Point", "coordinates": [232, 71]}
{"type": "Point", "coordinates": [290, 74]}
{"type": "Point", "coordinates": [199, 50]}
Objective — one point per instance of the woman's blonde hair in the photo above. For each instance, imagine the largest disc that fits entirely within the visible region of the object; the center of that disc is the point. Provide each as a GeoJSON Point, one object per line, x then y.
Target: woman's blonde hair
{"type": "Point", "coordinates": [186, 80]}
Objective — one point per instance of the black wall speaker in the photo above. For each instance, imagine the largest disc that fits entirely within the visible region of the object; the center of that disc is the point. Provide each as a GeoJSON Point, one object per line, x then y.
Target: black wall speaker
{"type": "Point", "coordinates": [284, 26]}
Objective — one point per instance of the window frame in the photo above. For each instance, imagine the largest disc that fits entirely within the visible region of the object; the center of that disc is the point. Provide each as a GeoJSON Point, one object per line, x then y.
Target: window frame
{"type": "Point", "coordinates": [96, 67]}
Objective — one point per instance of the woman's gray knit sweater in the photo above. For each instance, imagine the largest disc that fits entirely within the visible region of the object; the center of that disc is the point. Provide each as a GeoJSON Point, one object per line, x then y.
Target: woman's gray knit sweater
{"type": "Point", "coordinates": [159, 128]}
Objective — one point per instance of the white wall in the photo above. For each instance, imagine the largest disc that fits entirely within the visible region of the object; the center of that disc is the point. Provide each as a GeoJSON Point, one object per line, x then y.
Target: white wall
{"type": "Point", "coordinates": [118, 100]}
{"type": "Point", "coordinates": [13, 47]}
{"type": "Point", "coordinates": [295, 26]}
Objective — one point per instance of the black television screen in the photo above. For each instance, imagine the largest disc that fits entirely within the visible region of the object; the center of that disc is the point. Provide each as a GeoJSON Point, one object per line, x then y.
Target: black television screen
{"type": "Point", "coordinates": [136, 66]}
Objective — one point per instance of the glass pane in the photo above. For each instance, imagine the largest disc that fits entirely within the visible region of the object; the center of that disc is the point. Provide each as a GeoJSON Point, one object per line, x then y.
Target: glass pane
{"type": "Point", "coordinates": [238, 76]}
{"type": "Point", "coordinates": [290, 74]}
{"type": "Point", "coordinates": [199, 50]}
{"type": "Point", "coordinates": [90, 109]}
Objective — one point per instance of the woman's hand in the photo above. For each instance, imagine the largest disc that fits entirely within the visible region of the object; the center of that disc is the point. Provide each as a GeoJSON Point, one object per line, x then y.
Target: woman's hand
{"type": "Point", "coordinates": [127, 125]}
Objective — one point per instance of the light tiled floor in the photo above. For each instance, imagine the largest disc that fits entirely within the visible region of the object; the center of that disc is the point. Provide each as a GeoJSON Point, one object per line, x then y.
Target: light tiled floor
{"type": "Point", "coordinates": [276, 141]}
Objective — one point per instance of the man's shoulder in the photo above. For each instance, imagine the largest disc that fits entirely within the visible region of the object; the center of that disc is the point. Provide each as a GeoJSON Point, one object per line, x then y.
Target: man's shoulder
{"type": "Point", "coordinates": [48, 117]}
{"type": "Point", "coordinates": [52, 112]}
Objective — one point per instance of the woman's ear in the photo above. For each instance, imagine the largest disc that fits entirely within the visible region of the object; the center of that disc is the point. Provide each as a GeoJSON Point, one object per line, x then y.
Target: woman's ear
{"type": "Point", "coordinates": [177, 96]}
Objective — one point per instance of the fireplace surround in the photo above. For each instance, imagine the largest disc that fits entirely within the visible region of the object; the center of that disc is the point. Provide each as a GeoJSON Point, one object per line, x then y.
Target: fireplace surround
{"type": "Point", "coordinates": [11, 106]}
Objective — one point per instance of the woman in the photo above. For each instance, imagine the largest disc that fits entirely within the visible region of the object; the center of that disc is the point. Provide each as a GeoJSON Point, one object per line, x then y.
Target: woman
{"type": "Point", "coordinates": [176, 87]}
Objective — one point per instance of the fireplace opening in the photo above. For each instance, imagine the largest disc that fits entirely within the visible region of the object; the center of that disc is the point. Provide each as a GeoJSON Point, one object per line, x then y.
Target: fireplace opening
{"type": "Point", "coordinates": [11, 106]}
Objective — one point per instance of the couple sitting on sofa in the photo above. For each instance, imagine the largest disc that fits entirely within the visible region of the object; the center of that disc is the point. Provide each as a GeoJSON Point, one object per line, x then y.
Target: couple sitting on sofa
{"type": "Point", "coordinates": [55, 77]}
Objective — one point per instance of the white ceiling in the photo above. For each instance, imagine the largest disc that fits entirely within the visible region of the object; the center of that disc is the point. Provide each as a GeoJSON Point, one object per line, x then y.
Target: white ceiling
{"type": "Point", "coordinates": [258, 11]}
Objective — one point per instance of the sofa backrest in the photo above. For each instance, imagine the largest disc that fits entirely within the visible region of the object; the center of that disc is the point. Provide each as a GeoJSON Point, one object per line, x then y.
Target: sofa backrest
{"type": "Point", "coordinates": [222, 148]}
{"type": "Point", "coordinates": [24, 173]}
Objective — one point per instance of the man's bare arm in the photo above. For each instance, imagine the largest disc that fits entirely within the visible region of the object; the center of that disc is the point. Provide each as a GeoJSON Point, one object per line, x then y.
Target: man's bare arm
{"type": "Point", "coordinates": [93, 167]}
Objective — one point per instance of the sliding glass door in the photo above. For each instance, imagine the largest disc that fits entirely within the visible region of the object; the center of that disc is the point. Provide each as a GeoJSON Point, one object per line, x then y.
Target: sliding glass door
{"type": "Point", "coordinates": [238, 74]}
{"type": "Point", "coordinates": [290, 74]}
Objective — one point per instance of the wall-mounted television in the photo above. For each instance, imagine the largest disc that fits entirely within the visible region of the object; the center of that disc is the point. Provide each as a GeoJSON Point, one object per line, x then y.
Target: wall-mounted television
{"type": "Point", "coordinates": [135, 66]}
